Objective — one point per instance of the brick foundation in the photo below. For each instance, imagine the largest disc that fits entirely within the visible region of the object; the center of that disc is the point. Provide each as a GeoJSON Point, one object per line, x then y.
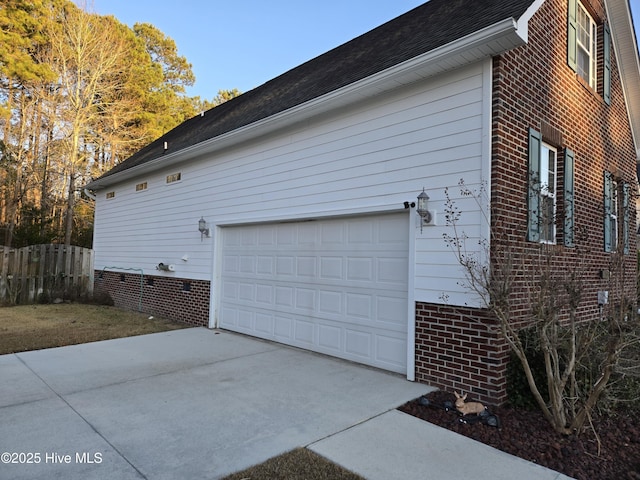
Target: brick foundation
{"type": "Point", "coordinates": [178, 299]}
{"type": "Point", "coordinates": [460, 349]}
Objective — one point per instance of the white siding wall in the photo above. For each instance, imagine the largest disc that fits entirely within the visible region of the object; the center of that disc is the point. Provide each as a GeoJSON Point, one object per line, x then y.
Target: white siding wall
{"type": "Point", "coordinates": [371, 157]}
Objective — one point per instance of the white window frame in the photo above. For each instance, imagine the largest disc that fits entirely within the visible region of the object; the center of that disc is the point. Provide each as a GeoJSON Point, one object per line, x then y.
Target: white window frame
{"type": "Point", "coordinates": [613, 215]}
{"type": "Point", "coordinates": [586, 46]}
{"type": "Point", "coordinates": [548, 192]}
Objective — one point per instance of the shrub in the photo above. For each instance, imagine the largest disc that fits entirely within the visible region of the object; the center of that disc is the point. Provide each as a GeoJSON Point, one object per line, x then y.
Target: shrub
{"type": "Point", "coordinates": [99, 298]}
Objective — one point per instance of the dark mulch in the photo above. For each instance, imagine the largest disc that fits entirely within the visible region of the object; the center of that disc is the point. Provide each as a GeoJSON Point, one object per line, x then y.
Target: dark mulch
{"type": "Point", "coordinates": [614, 454]}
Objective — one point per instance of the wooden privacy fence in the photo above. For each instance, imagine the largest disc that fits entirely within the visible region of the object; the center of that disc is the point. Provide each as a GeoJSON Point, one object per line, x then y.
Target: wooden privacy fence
{"type": "Point", "coordinates": [45, 272]}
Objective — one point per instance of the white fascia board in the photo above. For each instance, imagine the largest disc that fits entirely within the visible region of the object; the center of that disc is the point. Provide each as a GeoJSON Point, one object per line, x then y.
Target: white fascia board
{"type": "Point", "coordinates": [490, 41]}
{"type": "Point", "coordinates": [523, 21]}
{"type": "Point", "coordinates": [626, 48]}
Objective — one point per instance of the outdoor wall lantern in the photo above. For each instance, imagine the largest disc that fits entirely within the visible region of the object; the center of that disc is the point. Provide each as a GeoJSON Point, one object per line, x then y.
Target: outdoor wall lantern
{"type": "Point", "coordinates": [422, 209]}
{"type": "Point", "coordinates": [203, 228]}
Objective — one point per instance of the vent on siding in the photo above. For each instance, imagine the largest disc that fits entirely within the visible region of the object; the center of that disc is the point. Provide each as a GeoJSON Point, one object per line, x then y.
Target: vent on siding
{"type": "Point", "coordinates": [174, 177]}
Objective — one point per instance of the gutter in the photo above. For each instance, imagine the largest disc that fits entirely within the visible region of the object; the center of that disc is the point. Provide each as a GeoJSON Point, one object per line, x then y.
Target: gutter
{"type": "Point", "coordinates": [90, 194]}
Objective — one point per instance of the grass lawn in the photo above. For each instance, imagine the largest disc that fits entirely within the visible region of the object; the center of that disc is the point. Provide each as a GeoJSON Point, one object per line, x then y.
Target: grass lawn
{"type": "Point", "coordinates": [34, 327]}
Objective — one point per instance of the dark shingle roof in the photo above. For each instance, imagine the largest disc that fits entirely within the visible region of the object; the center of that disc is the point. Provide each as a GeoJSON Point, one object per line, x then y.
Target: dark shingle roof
{"type": "Point", "coordinates": [429, 26]}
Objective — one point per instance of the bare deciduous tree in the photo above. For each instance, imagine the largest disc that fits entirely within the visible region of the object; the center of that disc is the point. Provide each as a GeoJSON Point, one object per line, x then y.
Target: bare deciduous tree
{"type": "Point", "coordinates": [553, 289]}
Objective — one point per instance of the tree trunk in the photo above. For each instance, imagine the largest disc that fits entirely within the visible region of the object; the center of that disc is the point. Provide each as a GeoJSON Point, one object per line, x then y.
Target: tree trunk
{"type": "Point", "coordinates": [70, 205]}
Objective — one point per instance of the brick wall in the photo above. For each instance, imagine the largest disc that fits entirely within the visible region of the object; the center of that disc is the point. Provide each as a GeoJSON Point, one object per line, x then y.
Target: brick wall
{"type": "Point", "coordinates": [533, 87]}
{"type": "Point", "coordinates": [460, 349]}
{"type": "Point", "coordinates": [177, 299]}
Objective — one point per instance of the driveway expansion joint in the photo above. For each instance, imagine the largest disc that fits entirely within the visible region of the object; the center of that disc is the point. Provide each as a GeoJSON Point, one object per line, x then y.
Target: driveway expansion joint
{"type": "Point", "coordinates": [84, 419]}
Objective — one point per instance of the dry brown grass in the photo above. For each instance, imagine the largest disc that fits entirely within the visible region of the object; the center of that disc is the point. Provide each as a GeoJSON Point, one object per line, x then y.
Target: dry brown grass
{"type": "Point", "coordinates": [298, 464]}
{"type": "Point", "coordinates": [34, 327]}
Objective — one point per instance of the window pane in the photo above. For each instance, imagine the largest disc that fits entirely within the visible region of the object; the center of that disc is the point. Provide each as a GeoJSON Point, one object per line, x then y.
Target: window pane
{"type": "Point", "coordinates": [614, 233]}
{"type": "Point", "coordinates": [548, 170]}
{"type": "Point", "coordinates": [614, 216]}
{"type": "Point", "coordinates": [584, 63]}
{"type": "Point", "coordinates": [547, 222]}
{"type": "Point", "coordinates": [586, 46]}
{"type": "Point", "coordinates": [548, 166]}
{"type": "Point", "coordinates": [551, 178]}
{"type": "Point", "coordinates": [584, 27]}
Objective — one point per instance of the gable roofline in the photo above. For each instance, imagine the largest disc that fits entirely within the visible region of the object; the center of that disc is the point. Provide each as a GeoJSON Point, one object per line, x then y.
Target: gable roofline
{"type": "Point", "coordinates": [493, 39]}
{"type": "Point", "coordinates": [626, 49]}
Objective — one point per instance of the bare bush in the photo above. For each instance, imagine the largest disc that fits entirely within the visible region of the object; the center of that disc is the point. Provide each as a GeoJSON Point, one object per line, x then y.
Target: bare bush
{"type": "Point", "coordinates": [570, 342]}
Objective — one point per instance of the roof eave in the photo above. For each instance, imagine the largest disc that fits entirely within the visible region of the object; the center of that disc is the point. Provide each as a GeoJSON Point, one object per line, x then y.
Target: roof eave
{"type": "Point", "coordinates": [490, 41]}
{"type": "Point", "coordinates": [626, 49]}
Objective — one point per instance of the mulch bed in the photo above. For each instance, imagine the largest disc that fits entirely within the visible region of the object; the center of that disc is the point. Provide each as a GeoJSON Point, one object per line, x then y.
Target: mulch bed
{"type": "Point", "coordinates": [614, 454]}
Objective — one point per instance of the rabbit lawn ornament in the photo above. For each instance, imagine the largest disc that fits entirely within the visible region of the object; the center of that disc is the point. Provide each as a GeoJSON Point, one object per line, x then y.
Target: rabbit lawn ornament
{"type": "Point", "coordinates": [467, 408]}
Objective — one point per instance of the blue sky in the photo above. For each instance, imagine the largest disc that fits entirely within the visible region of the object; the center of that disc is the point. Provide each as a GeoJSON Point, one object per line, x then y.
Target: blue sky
{"type": "Point", "coordinates": [245, 43]}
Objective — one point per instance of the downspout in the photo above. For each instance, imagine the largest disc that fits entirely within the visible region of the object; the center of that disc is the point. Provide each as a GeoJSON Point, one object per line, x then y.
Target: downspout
{"type": "Point", "coordinates": [88, 193]}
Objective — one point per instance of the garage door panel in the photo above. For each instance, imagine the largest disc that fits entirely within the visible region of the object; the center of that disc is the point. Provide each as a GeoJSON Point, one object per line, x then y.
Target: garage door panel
{"type": "Point", "coordinates": [389, 349]}
{"type": "Point", "coordinates": [285, 266]}
{"type": "Point", "coordinates": [247, 264]}
{"type": "Point", "coordinates": [308, 234]}
{"type": "Point", "coordinates": [247, 292]}
{"type": "Point", "coordinates": [359, 305]}
{"type": "Point", "coordinates": [360, 232]}
{"type": "Point", "coordinates": [249, 237]}
{"type": "Point", "coordinates": [394, 231]}
{"type": "Point", "coordinates": [358, 344]}
{"type": "Point", "coordinates": [284, 297]}
{"type": "Point", "coordinates": [335, 286]}
{"type": "Point", "coordinates": [330, 303]}
{"type": "Point", "coordinates": [304, 333]}
{"type": "Point", "coordinates": [264, 265]}
{"type": "Point", "coordinates": [330, 338]}
{"type": "Point", "coordinates": [306, 267]}
{"type": "Point", "coordinates": [230, 263]}
{"type": "Point", "coordinates": [332, 234]}
{"type": "Point", "coordinates": [264, 294]}
{"type": "Point", "coordinates": [305, 299]}
{"type": "Point", "coordinates": [331, 268]}
{"type": "Point", "coordinates": [392, 270]}
{"type": "Point", "coordinates": [230, 290]}
{"type": "Point", "coordinates": [245, 320]}
{"type": "Point", "coordinates": [387, 309]}
{"type": "Point", "coordinates": [360, 269]}
{"type": "Point", "coordinates": [264, 324]}
{"type": "Point", "coordinates": [230, 315]}
{"type": "Point", "coordinates": [283, 330]}
{"type": "Point", "coordinates": [266, 235]}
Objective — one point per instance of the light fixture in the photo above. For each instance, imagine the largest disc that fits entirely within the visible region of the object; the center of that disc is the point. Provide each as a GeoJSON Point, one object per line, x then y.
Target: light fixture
{"type": "Point", "coordinates": [203, 228]}
{"type": "Point", "coordinates": [422, 210]}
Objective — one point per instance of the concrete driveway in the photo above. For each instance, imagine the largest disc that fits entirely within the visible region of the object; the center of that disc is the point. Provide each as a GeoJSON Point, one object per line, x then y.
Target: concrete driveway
{"type": "Point", "coordinates": [191, 403]}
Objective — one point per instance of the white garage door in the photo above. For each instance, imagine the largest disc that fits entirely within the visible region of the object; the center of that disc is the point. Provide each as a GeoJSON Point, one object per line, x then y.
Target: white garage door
{"type": "Point", "coordinates": [336, 286]}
